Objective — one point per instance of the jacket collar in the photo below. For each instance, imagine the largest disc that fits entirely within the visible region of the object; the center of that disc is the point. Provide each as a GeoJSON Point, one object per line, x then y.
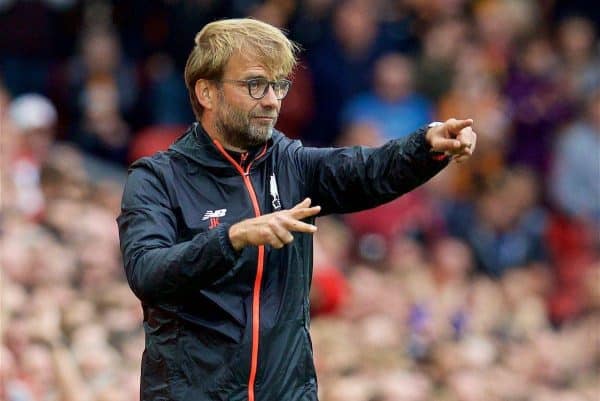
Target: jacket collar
{"type": "Point", "coordinates": [198, 146]}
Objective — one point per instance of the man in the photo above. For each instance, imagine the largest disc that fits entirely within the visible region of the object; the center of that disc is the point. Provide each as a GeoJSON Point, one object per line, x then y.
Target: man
{"type": "Point", "coordinates": [216, 231]}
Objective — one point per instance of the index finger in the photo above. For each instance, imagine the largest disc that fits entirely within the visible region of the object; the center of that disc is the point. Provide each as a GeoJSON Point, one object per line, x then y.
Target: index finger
{"type": "Point", "coordinates": [304, 204]}
{"type": "Point", "coordinates": [455, 125]}
{"type": "Point", "coordinates": [303, 213]}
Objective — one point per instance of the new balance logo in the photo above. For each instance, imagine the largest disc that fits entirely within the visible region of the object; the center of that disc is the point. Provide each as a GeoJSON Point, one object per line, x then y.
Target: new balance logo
{"type": "Point", "coordinates": [214, 213]}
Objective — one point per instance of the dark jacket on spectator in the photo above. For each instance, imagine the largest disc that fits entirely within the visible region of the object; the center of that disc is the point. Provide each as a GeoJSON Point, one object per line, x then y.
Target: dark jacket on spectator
{"type": "Point", "coordinates": [222, 325]}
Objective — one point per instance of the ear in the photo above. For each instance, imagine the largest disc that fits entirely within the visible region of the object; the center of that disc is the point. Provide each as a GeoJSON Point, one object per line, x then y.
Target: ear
{"type": "Point", "coordinates": [204, 93]}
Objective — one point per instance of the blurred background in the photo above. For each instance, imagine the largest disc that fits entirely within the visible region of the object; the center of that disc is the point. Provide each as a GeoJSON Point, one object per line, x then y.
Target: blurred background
{"type": "Point", "coordinates": [483, 285]}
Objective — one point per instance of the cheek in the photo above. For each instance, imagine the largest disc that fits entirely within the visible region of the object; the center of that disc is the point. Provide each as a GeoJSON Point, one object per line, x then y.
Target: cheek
{"type": "Point", "coordinates": [239, 110]}
{"type": "Point", "coordinates": [239, 113]}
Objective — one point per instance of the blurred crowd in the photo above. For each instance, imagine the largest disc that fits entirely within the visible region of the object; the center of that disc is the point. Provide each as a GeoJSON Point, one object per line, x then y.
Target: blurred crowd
{"type": "Point", "coordinates": [482, 285]}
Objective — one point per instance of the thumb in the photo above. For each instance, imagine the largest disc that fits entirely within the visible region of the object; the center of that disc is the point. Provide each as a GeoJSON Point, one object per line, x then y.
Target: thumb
{"type": "Point", "coordinates": [305, 203]}
{"type": "Point", "coordinates": [454, 125]}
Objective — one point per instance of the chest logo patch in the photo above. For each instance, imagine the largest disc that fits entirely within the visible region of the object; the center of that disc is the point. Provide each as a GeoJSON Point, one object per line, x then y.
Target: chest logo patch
{"type": "Point", "coordinates": [274, 193]}
{"type": "Point", "coordinates": [214, 215]}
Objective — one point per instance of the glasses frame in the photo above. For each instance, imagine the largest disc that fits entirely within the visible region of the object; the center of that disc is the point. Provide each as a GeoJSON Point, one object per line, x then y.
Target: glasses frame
{"type": "Point", "coordinates": [271, 84]}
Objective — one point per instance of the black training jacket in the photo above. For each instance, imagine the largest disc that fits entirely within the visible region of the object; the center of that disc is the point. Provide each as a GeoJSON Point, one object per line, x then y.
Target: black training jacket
{"type": "Point", "coordinates": [226, 326]}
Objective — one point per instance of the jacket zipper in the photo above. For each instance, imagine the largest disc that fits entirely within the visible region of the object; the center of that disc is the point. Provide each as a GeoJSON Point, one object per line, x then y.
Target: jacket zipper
{"type": "Point", "coordinates": [259, 267]}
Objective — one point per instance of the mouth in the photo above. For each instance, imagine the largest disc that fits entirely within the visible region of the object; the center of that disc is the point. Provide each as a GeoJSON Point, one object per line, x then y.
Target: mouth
{"type": "Point", "coordinates": [264, 118]}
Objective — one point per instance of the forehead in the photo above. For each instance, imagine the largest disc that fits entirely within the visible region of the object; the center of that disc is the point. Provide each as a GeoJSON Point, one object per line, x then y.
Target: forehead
{"type": "Point", "coordinates": [241, 66]}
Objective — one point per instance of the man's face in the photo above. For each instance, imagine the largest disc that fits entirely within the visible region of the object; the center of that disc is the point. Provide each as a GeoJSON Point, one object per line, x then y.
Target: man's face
{"type": "Point", "coordinates": [242, 121]}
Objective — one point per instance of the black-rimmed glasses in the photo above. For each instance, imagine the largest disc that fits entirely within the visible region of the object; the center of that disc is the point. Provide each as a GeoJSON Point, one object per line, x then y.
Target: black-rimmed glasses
{"type": "Point", "coordinates": [258, 87]}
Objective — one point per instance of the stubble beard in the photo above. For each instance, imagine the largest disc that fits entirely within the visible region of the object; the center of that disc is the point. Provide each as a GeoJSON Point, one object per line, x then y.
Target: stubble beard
{"type": "Point", "coordinates": [238, 129]}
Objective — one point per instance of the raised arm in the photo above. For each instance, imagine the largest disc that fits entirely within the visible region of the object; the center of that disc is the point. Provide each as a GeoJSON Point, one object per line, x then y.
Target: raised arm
{"type": "Point", "coordinates": [345, 180]}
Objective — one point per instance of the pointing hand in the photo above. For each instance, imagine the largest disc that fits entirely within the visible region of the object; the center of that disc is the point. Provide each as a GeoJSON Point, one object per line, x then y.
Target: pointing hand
{"type": "Point", "coordinates": [454, 137]}
{"type": "Point", "coordinates": [273, 229]}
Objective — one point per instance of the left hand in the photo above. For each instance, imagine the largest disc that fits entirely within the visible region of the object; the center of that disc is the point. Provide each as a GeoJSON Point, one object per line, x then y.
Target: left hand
{"type": "Point", "coordinates": [455, 137]}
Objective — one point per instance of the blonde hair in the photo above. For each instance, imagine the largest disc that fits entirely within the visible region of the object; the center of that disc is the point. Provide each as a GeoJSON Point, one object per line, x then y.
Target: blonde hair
{"type": "Point", "coordinates": [219, 40]}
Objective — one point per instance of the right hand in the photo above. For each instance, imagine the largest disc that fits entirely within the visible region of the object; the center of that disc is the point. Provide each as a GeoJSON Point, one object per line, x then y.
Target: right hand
{"type": "Point", "coordinates": [454, 137]}
{"type": "Point", "coordinates": [273, 229]}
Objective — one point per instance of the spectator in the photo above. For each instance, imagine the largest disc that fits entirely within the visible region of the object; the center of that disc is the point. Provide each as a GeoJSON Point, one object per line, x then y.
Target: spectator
{"type": "Point", "coordinates": [575, 191]}
{"type": "Point", "coordinates": [35, 118]}
{"type": "Point", "coordinates": [500, 24]}
{"type": "Point", "coordinates": [165, 92]}
{"type": "Point", "coordinates": [392, 106]}
{"type": "Point", "coordinates": [103, 132]}
{"type": "Point", "coordinates": [100, 60]}
{"type": "Point", "coordinates": [575, 184]}
{"type": "Point", "coordinates": [580, 55]}
{"type": "Point", "coordinates": [435, 66]}
{"type": "Point", "coordinates": [506, 229]}
{"type": "Point", "coordinates": [341, 65]}
{"type": "Point", "coordinates": [538, 104]}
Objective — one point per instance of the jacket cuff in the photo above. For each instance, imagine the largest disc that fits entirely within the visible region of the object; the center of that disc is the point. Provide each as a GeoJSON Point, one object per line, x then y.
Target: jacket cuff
{"type": "Point", "coordinates": [226, 247]}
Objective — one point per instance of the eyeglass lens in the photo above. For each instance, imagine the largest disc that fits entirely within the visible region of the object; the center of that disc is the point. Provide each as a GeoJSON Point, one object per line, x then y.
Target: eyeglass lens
{"type": "Point", "coordinates": [258, 88]}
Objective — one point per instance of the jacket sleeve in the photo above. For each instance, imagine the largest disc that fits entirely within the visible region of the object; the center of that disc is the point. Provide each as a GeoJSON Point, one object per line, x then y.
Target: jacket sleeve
{"type": "Point", "coordinates": [158, 268]}
{"type": "Point", "coordinates": [343, 180]}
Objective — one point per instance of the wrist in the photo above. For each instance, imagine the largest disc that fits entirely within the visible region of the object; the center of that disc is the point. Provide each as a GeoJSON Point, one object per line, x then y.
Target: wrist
{"type": "Point", "coordinates": [236, 237]}
{"type": "Point", "coordinates": [431, 128]}
{"type": "Point", "coordinates": [429, 135]}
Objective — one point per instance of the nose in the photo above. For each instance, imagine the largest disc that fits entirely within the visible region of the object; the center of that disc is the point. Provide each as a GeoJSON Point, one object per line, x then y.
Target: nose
{"type": "Point", "coordinates": [270, 99]}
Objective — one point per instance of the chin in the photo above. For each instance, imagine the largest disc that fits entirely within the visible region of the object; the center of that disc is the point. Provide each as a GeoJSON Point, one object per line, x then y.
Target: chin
{"type": "Point", "coordinates": [259, 138]}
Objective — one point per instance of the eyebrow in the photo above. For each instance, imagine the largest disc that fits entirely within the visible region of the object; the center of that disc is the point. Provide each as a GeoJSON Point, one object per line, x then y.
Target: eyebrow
{"type": "Point", "coordinates": [255, 76]}
{"type": "Point", "coordinates": [278, 78]}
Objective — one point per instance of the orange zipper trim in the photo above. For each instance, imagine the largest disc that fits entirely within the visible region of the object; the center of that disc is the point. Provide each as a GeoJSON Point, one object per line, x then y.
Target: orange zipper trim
{"type": "Point", "coordinates": [259, 267]}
